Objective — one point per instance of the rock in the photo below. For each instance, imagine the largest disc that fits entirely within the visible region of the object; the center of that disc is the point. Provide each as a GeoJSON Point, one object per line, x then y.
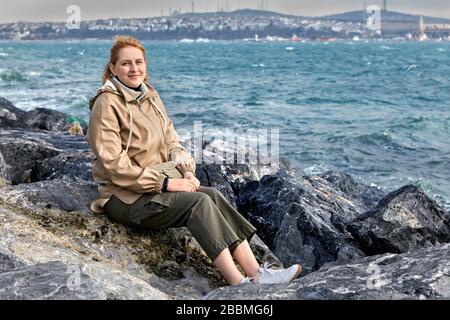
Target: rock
{"type": "Point", "coordinates": [369, 196]}
{"type": "Point", "coordinates": [405, 220]}
{"type": "Point", "coordinates": [7, 115]}
{"type": "Point", "coordinates": [45, 119]}
{"type": "Point", "coordinates": [33, 156]}
{"type": "Point", "coordinates": [62, 141]}
{"type": "Point", "coordinates": [9, 106]}
{"type": "Point", "coordinates": [213, 176]}
{"type": "Point", "coordinates": [38, 119]}
{"type": "Point", "coordinates": [190, 286]}
{"type": "Point", "coordinates": [72, 164]}
{"type": "Point", "coordinates": [423, 274]}
{"type": "Point", "coordinates": [302, 223]}
{"type": "Point", "coordinates": [231, 178]}
{"type": "Point", "coordinates": [9, 262]}
{"type": "Point", "coordinates": [113, 256]}
{"type": "Point", "coordinates": [10, 115]}
{"type": "Point", "coordinates": [49, 281]}
{"type": "Point", "coordinates": [62, 193]}
{"type": "Point", "coordinates": [3, 170]}
{"type": "Point", "coordinates": [19, 156]}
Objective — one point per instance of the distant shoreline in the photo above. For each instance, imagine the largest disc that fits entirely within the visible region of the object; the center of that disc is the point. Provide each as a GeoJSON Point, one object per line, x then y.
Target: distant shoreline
{"type": "Point", "coordinates": [261, 41]}
{"type": "Point", "coordinates": [238, 25]}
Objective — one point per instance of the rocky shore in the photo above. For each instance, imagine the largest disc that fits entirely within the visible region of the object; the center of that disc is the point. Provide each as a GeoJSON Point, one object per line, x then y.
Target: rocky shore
{"type": "Point", "coordinates": [353, 241]}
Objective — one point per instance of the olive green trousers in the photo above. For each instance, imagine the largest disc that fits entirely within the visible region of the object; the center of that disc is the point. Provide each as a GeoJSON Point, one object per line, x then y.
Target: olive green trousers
{"type": "Point", "coordinates": [207, 214]}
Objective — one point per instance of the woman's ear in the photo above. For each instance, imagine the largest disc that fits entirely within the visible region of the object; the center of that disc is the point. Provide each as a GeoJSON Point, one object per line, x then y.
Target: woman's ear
{"type": "Point", "coordinates": [112, 68]}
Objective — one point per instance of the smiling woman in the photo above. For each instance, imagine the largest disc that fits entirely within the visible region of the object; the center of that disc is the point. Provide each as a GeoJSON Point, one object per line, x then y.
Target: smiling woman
{"type": "Point", "coordinates": [130, 68]}
{"type": "Point", "coordinates": [127, 63]}
{"type": "Point", "coordinates": [127, 111]}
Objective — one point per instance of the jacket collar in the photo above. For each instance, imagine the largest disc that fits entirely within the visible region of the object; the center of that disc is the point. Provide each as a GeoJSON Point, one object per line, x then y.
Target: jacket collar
{"type": "Point", "coordinates": [130, 94]}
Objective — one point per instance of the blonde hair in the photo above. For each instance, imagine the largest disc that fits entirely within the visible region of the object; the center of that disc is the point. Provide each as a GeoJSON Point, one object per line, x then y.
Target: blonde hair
{"type": "Point", "coordinates": [122, 42]}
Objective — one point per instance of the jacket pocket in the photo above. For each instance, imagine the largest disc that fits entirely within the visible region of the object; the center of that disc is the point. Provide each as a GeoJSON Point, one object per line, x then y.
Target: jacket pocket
{"type": "Point", "coordinates": [150, 205]}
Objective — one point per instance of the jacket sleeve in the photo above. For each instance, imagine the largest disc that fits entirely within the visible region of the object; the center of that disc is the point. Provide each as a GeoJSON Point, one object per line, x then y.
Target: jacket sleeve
{"type": "Point", "coordinates": [105, 140]}
{"type": "Point", "coordinates": [176, 151]}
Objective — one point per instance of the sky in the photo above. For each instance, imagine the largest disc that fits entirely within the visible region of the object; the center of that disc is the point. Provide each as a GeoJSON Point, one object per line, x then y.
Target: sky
{"type": "Point", "coordinates": [56, 10]}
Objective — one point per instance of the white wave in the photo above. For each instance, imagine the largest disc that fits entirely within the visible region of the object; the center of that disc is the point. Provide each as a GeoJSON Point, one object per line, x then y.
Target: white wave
{"type": "Point", "coordinates": [413, 66]}
{"type": "Point", "coordinates": [34, 73]}
{"type": "Point", "coordinates": [316, 169]}
{"type": "Point", "coordinates": [205, 40]}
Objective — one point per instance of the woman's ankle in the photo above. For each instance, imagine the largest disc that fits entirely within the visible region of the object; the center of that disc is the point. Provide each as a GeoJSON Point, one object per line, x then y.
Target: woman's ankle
{"type": "Point", "coordinates": [237, 282]}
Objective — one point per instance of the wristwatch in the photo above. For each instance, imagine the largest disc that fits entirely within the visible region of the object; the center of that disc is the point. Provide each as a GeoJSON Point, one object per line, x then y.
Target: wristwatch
{"type": "Point", "coordinates": [165, 184]}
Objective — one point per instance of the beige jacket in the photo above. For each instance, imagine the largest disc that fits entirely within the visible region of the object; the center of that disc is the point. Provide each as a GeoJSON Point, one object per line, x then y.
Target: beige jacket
{"type": "Point", "coordinates": [129, 132]}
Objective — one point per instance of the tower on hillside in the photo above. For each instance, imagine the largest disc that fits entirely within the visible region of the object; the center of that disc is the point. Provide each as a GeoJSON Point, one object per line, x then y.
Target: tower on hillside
{"type": "Point", "coordinates": [385, 5]}
{"type": "Point", "coordinates": [364, 12]}
{"type": "Point", "coordinates": [422, 34]}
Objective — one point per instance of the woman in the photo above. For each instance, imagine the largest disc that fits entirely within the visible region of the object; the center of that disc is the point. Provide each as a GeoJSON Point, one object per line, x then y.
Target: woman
{"type": "Point", "coordinates": [129, 132]}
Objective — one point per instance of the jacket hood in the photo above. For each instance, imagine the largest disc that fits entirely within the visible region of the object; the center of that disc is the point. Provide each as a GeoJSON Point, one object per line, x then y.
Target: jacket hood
{"type": "Point", "coordinates": [113, 86]}
{"type": "Point", "coordinates": [107, 87]}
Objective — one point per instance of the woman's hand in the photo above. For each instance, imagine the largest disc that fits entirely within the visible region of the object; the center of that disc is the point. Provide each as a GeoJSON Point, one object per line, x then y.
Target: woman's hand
{"type": "Point", "coordinates": [181, 185]}
{"type": "Point", "coordinates": [190, 176]}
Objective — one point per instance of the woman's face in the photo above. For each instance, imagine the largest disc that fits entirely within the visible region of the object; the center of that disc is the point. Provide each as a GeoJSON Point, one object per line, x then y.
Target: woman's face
{"type": "Point", "coordinates": [130, 66]}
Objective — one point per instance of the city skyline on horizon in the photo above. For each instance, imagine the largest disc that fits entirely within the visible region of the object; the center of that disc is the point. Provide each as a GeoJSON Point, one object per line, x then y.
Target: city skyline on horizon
{"type": "Point", "coordinates": [48, 10]}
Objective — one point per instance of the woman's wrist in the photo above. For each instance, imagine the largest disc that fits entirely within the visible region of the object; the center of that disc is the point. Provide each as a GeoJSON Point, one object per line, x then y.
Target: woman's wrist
{"type": "Point", "coordinates": [165, 184]}
{"type": "Point", "coordinates": [188, 174]}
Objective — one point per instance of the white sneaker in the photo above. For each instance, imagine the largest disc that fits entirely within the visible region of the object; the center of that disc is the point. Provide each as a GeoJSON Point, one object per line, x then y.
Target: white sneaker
{"type": "Point", "coordinates": [266, 275]}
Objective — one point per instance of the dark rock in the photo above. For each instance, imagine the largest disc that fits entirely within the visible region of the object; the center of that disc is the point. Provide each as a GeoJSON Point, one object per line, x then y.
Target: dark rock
{"type": "Point", "coordinates": [423, 274]}
{"type": "Point", "coordinates": [36, 119]}
{"type": "Point", "coordinates": [231, 178]}
{"type": "Point", "coordinates": [34, 156]}
{"type": "Point", "coordinates": [9, 106]}
{"type": "Point", "coordinates": [58, 140]}
{"type": "Point", "coordinates": [45, 119]}
{"type": "Point", "coordinates": [62, 193]}
{"type": "Point", "coordinates": [405, 220]}
{"type": "Point", "coordinates": [369, 196]}
{"type": "Point", "coordinates": [72, 164]}
{"type": "Point", "coordinates": [10, 116]}
{"type": "Point", "coordinates": [213, 176]}
{"type": "Point", "coordinates": [50, 281]}
{"type": "Point", "coordinates": [9, 262]}
{"type": "Point", "coordinates": [19, 156]}
{"type": "Point", "coordinates": [302, 223]}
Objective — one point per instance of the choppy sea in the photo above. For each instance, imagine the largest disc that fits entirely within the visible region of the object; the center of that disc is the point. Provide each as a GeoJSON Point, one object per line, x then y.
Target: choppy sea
{"type": "Point", "coordinates": [379, 111]}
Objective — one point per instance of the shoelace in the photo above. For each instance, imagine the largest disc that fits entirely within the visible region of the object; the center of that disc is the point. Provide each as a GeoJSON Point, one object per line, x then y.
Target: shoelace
{"type": "Point", "coordinates": [266, 265]}
{"type": "Point", "coordinates": [265, 269]}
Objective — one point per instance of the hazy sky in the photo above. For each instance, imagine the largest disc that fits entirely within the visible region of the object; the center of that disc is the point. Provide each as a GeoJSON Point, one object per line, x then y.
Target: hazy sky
{"type": "Point", "coordinates": [55, 10]}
